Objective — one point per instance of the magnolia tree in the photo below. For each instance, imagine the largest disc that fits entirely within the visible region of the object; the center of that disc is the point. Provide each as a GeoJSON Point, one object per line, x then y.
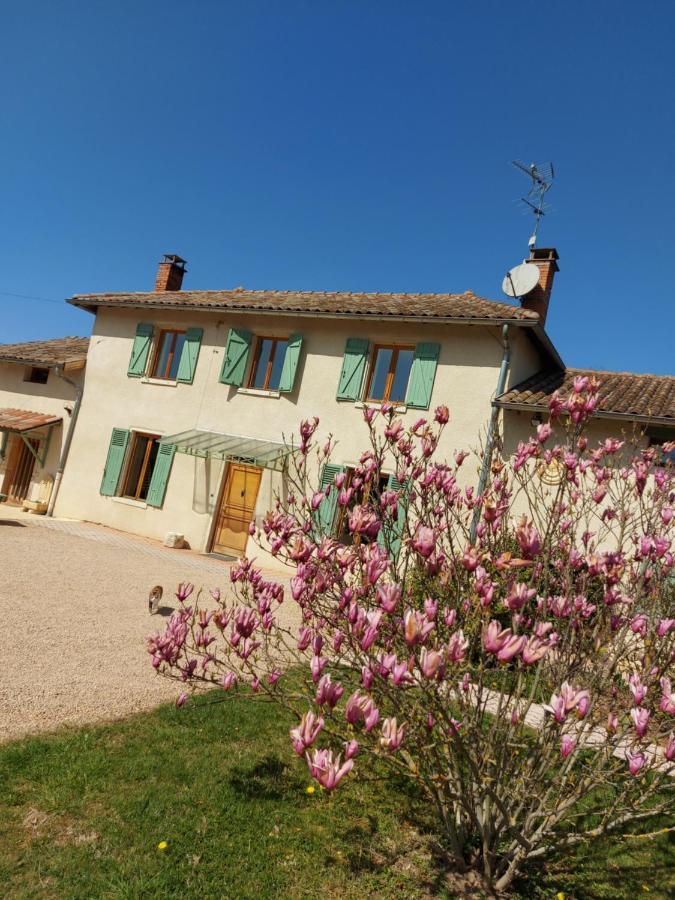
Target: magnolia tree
{"type": "Point", "coordinates": [511, 653]}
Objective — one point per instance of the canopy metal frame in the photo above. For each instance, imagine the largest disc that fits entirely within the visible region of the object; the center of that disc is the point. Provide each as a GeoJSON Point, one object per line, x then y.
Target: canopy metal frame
{"type": "Point", "coordinates": [205, 444]}
{"type": "Point", "coordinates": [41, 454]}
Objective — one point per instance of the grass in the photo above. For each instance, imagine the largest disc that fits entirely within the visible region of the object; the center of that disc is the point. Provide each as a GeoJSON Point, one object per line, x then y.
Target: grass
{"type": "Point", "coordinates": [82, 813]}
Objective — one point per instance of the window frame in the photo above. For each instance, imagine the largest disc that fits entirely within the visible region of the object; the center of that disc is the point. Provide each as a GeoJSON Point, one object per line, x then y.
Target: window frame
{"type": "Point", "coordinates": [152, 373]}
{"type": "Point", "coordinates": [391, 373]}
{"type": "Point", "coordinates": [32, 371]}
{"type": "Point", "coordinates": [259, 339]}
{"type": "Point", "coordinates": [133, 441]}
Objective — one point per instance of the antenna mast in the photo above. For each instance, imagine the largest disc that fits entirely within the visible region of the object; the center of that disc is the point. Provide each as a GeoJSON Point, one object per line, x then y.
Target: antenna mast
{"type": "Point", "coordinates": [542, 178]}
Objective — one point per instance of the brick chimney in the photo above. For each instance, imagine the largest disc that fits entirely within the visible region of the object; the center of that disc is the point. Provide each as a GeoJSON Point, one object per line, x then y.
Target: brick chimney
{"type": "Point", "coordinates": [545, 259]}
{"type": "Point", "coordinates": [170, 273]}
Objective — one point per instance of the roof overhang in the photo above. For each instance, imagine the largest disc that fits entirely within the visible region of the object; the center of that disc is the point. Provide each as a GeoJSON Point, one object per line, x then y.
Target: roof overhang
{"type": "Point", "coordinates": [20, 421]}
{"type": "Point", "coordinates": [597, 414]}
{"type": "Point", "coordinates": [214, 444]}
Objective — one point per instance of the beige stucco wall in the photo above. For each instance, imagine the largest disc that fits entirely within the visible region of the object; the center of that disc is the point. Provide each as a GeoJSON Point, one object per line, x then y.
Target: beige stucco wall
{"type": "Point", "coordinates": [466, 379]}
{"type": "Point", "coordinates": [55, 397]}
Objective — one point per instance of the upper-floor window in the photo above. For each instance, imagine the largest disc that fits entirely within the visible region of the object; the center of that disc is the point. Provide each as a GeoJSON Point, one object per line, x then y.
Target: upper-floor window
{"type": "Point", "coordinates": [268, 363]}
{"type": "Point", "coordinates": [665, 448]}
{"type": "Point", "coordinates": [390, 373]}
{"type": "Point", "coordinates": [168, 351]}
{"type": "Point", "coordinates": [261, 362]}
{"type": "Point", "coordinates": [142, 458]}
{"type": "Point", "coordinates": [399, 373]}
{"type": "Point", "coordinates": [36, 375]}
{"type": "Point", "coordinates": [170, 354]}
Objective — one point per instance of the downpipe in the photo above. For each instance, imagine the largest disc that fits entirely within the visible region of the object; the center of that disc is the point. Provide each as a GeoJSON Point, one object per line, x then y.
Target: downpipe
{"type": "Point", "coordinates": [79, 389]}
{"type": "Point", "coordinates": [492, 429]}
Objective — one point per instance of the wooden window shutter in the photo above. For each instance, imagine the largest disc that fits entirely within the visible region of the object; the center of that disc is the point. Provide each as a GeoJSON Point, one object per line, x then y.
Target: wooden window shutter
{"type": "Point", "coordinates": [391, 535]}
{"type": "Point", "coordinates": [236, 357]}
{"type": "Point", "coordinates": [291, 360]}
{"type": "Point", "coordinates": [140, 351]}
{"type": "Point", "coordinates": [160, 474]}
{"type": "Point", "coordinates": [113, 464]}
{"type": "Point", "coordinates": [353, 369]}
{"type": "Point", "coordinates": [422, 375]}
{"type": "Point", "coordinates": [189, 355]}
{"type": "Point", "coordinates": [325, 514]}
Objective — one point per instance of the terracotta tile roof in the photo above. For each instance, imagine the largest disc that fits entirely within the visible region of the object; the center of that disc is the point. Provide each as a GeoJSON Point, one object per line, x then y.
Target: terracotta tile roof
{"type": "Point", "coordinates": [24, 420]}
{"type": "Point", "coordinates": [624, 394]}
{"type": "Point", "coordinates": [47, 353]}
{"type": "Point", "coordinates": [464, 306]}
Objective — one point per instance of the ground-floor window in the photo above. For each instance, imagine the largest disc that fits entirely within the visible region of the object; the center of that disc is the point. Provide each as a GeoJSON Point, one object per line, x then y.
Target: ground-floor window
{"type": "Point", "coordinates": [141, 463]}
{"type": "Point", "coordinates": [367, 494]}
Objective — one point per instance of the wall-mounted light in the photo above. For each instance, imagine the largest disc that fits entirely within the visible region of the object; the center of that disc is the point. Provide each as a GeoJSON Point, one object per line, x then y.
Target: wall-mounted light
{"type": "Point", "coordinates": [536, 420]}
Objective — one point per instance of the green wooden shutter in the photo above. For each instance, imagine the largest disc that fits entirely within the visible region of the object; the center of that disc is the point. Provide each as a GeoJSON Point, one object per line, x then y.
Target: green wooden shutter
{"type": "Point", "coordinates": [236, 357]}
{"type": "Point", "coordinates": [391, 535]}
{"type": "Point", "coordinates": [290, 366]}
{"type": "Point", "coordinates": [353, 368]}
{"type": "Point", "coordinates": [325, 514]}
{"type": "Point", "coordinates": [422, 375]}
{"type": "Point", "coordinates": [113, 464]}
{"type": "Point", "coordinates": [189, 355]}
{"type": "Point", "coordinates": [140, 351]}
{"type": "Point", "coordinates": [160, 474]}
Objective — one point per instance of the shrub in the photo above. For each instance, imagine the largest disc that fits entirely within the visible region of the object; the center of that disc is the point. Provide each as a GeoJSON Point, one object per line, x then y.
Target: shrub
{"type": "Point", "coordinates": [425, 643]}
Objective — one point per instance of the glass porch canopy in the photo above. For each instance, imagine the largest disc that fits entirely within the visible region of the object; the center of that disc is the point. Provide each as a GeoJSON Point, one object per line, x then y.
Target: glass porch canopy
{"type": "Point", "coordinates": [266, 454]}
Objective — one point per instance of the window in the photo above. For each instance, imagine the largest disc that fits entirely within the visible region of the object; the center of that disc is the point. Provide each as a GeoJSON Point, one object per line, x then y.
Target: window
{"type": "Point", "coordinates": [167, 355]}
{"type": "Point", "coordinates": [389, 373]}
{"type": "Point", "coordinates": [140, 466]}
{"type": "Point", "coordinates": [268, 363]}
{"type": "Point", "coordinates": [36, 375]}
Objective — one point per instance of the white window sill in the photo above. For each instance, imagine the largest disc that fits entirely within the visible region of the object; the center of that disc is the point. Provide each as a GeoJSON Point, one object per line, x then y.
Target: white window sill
{"type": "Point", "coordinates": [255, 392]}
{"type": "Point", "coordinates": [361, 405]}
{"type": "Point", "coordinates": [164, 381]}
{"type": "Point", "coordinates": [127, 501]}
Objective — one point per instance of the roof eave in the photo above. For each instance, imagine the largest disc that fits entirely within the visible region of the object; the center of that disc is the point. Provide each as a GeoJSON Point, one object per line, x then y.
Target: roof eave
{"type": "Point", "coordinates": [597, 414]}
{"type": "Point", "coordinates": [74, 362]}
{"type": "Point", "coordinates": [253, 310]}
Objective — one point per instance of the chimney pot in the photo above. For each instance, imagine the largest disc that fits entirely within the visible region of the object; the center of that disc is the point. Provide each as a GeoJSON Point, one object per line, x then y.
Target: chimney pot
{"type": "Point", "coordinates": [545, 259]}
{"type": "Point", "coordinates": [170, 273]}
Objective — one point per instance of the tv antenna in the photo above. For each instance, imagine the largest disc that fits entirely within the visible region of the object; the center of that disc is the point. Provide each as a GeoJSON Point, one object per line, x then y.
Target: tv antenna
{"type": "Point", "coordinates": [542, 178]}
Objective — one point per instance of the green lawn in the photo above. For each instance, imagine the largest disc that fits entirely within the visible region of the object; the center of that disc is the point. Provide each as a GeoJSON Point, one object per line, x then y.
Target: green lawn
{"type": "Point", "coordinates": [82, 814]}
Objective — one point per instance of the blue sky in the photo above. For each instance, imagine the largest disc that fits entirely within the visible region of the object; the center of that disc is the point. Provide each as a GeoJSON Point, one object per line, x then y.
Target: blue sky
{"type": "Point", "coordinates": [355, 145]}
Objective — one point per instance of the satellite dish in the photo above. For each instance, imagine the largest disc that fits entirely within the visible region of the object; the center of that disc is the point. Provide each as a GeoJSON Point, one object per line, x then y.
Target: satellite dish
{"type": "Point", "coordinates": [520, 280]}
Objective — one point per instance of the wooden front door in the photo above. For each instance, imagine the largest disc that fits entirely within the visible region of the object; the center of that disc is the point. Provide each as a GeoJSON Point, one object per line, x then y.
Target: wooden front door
{"type": "Point", "coordinates": [20, 463]}
{"type": "Point", "coordinates": [237, 505]}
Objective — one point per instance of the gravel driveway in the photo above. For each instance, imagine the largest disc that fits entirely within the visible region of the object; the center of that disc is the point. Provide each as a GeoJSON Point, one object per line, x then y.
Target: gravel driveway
{"type": "Point", "coordinates": [73, 602]}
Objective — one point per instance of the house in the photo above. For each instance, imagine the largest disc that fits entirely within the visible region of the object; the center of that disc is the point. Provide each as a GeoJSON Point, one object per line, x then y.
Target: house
{"type": "Point", "coordinates": [41, 384]}
{"type": "Point", "coordinates": [190, 395]}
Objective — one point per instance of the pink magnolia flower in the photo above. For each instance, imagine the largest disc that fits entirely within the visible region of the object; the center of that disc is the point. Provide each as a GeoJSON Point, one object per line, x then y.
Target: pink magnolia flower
{"type": "Point", "coordinates": [567, 745]}
{"type": "Point", "coordinates": [328, 692]}
{"type": "Point", "coordinates": [228, 681]}
{"type": "Point", "coordinates": [669, 749]}
{"type": "Point", "coordinates": [637, 689]}
{"type": "Point", "coordinates": [528, 538]}
{"type": "Point", "coordinates": [388, 596]}
{"type": "Point", "coordinates": [667, 704]}
{"type": "Point", "coordinates": [360, 708]}
{"type": "Point", "coordinates": [363, 521]}
{"type": "Point", "coordinates": [304, 734]}
{"type": "Point", "coordinates": [392, 735]}
{"type": "Point", "coordinates": [351, 749]}
{"type": "Point", "coordinates": [612, 722]}
{"type": "Point", "coordinates": [181, 699]}
{"type": "Point", "coordinates": [635, 761]}
{"type": "Point", "coordinates": [424, 541]}
{"type": "Point", "coordinates": [430, 662]}
{"type": "Point", "coordinates": [442, 415]}
{"type": "Point", "coordinates": [326, 769]}
{"type": "Point", "coordinates": [638, 624]}
{"type": "Point", "coordinates": [511, 647]}
{"type": "Point", "coordinates": [317, 665]}
{"type": "Point", "coordinates": [457, 646]}
{"type": "Point", "coordinates": [665, 626]}
{"type": "Point", "coordinates": [494, 636]}
{"type": "Point", "coordinates": [416, 627]}
{"type": "Point", "coordinates": [519, 595]}
{"type": "Point", "coordinates": [640, 717]}
{"type": "Point", "coordinates": [534, 650]}
{"type": "Point", "coordinates": [184, 591]}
